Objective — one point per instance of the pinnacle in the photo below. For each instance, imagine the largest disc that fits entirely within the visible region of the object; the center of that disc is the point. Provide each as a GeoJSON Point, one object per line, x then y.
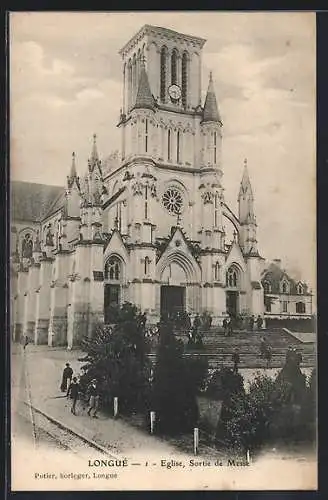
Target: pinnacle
{"type": "Point", "coordinates": [211, 111]}
{"type": "Point", "coordinates": [144, 97]}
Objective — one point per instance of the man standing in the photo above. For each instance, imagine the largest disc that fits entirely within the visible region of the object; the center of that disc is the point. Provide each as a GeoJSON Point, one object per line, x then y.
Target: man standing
{"type": "Point", "coordinates": [73, 392]}
{"type": "Point", "coordinates": [225, 326]}
{"type": "Point", "coordinates": [251, 322]}
{"type": "Point", "coordinates": [93, 398]}
{"type": "Point", "coordinates": [236, 360]}
{"type": "Point", "coordinates": [67, 377]}
{"type": "Point", "coordinates": [259, 322]}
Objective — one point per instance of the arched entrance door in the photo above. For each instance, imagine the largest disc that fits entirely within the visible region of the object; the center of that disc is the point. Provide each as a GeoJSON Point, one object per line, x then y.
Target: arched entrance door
{"type": "Point", "coordinates": [232, 291]}
{"type": "Point", "coordinates": [173, 289]}
{"type": "Point", "coordinates": [112, 286]}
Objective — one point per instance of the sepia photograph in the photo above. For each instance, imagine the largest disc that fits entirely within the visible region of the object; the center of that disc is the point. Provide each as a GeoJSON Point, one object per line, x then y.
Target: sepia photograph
{"type": "Point", "coordinates": [163, 319]}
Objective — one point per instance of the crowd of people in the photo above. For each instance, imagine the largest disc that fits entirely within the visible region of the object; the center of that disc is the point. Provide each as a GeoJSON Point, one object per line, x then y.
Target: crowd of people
{"type": "Point", "coordinates": [70, 385]}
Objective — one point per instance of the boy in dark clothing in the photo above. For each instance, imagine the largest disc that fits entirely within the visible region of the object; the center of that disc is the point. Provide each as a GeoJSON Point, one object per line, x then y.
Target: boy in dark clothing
{"type": "Point", "coordinates": [73, 392]}
{"type": "Point", "coordinates": [93, 398]}
{"type": "Point", "coordinates": [67, 377]}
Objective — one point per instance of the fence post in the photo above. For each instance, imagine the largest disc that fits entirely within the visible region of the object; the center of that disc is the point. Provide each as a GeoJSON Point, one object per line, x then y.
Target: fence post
{"type": "Point", "coordinates": [115, 407]}
{"type": "Point", "coordinates": [248, 457]}
{"type": "Point", "coordinates": [196, 440]}
{"type": "Point", "coordinates": [152, 421]}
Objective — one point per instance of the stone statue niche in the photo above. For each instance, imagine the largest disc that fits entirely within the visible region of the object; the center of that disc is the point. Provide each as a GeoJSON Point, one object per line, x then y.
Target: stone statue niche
{"type": "Point", "coordinates": [27, 247]}
{"type": "Point", "coordinates": [49, 238]}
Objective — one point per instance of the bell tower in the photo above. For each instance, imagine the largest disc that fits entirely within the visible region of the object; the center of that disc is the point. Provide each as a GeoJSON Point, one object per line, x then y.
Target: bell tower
{"type": "Point", "coordinates": [173, 64]}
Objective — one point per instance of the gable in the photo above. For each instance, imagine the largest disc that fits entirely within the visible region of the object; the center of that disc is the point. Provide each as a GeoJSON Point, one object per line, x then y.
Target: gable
{"type": "Point", "coordinates": [235, 257]}
{"type": "Point", "coordinates": [115, 245]}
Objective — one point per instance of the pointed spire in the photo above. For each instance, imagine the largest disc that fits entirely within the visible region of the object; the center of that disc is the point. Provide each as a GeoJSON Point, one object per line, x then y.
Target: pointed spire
{"type": "Point", "coordinates": [73, 167]}
{"type": "Point", "coordinates": [144, 97]}
{"type": "Point", "coordinates": [211, 111]}
{"type": "Point", "coordinates": [245, 185]}
{"type": "Point", "coordinates": [72, 174]}
{"type": "Point", "coordinates": [94, 158]}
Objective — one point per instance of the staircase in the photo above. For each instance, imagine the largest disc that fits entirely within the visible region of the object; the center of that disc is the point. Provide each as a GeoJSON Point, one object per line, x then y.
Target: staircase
{"type": "Point", "coordinates": [218, 348]}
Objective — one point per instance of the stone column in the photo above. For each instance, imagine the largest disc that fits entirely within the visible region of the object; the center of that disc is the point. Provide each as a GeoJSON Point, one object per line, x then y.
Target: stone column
{"type": "Point", "coordinates": [43, 302]}
{"type": "Point", "coordinates": [57, 333]}
{"type": "Point", "coordinates": [20, 302]}
{"type": "Point", "coordinates": [30, 300]}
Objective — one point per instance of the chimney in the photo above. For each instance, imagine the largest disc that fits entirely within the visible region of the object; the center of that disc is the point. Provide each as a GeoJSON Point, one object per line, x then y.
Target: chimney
{"type": "Point", "coordinates": [277, 262]}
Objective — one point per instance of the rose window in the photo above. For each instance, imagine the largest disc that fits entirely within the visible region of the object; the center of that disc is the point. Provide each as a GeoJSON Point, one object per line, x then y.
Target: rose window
{"type": "Point", "coordinates": [173, 201]}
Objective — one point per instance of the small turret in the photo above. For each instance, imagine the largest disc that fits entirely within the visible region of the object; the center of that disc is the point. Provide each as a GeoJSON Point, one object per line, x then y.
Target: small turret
{"type": "Point", "coordinates": [246, 198]}
{"type": "Point", "coordinates": [144, 99]}
{"type": "Point", "coordinates": [73, 177]}
{"type": "Point", "coordinates": [247, 217]}
{"type": "Point", "coordinates": [211, 111]}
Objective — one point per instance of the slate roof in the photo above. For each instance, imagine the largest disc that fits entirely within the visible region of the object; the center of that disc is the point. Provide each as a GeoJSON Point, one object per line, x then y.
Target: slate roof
{"type": "Point", "coordinates": [211, 111]}
{"type": "Point", "coordinates": [144, 99]}
{"type": "Point", "coordinates": [32, 201]}
{"type": "Point", "coordinates": [274, 275]}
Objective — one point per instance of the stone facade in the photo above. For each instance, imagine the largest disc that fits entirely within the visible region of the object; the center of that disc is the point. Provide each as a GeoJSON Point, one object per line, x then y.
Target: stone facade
{"type": "Point", "coordinates": [147, 225]}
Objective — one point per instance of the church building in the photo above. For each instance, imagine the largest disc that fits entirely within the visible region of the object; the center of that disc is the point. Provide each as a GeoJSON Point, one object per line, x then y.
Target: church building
{"type": "Point", "coordinates": [146, 225]}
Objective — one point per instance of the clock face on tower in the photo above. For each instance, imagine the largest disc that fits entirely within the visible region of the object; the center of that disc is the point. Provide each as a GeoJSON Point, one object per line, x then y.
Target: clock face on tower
{"type": "Point", "coordinates": [174, 92]}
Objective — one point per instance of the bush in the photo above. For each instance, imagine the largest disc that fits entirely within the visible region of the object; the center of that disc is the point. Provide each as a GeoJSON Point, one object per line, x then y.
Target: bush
{"type": "Point", "coordinates": [223, 384]}
{"type": "Point", "coordinates": [117, 358]}
{"type": "Point", "coordinates": [273, 411]}
{"type": "Point", "coordinates": [177, 381]}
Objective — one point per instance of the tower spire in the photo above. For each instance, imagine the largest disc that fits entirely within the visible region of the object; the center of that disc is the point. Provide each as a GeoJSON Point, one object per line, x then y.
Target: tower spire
{"type": "Point", "coordinates": [94, 158]}
{"type": "Point", "coordinates": [144, 97]}
{"type": "Point", "coordinates": [72, 174]}
{"type": "Point", "coordinates": [245, 185]}
{"type": "Point", "coordinates": [211, 111]}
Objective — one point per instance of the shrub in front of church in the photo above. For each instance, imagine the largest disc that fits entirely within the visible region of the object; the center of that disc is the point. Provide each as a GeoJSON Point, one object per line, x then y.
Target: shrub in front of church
{"type": "Point", "coordinates": [117, 357]}
{"type": "Point", "coordinates": [176, 383]}
{"type": "Point", "coordinates": [273, 412]}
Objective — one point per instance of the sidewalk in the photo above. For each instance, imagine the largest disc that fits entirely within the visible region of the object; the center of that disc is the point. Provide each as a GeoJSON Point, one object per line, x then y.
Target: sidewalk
{"type": "Point", "coordinates": [45, 369]}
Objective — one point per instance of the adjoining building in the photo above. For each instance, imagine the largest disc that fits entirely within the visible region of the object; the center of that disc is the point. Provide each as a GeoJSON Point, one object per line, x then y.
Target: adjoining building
{"type": "Point", "coordinates": [148, 224]}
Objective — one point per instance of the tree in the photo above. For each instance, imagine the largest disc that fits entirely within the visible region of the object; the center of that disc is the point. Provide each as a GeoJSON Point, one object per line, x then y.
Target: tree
{"type": "Point", "coordinates": [117, 358]}
{"type": "Point", "coordinates": [249, 415]}
{"type": "Point", "coordinates": [176, 383]}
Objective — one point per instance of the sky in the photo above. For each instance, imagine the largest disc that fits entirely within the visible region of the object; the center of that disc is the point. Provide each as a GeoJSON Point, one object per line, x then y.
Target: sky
{"type": "Point", "coordinates": [66, 85]}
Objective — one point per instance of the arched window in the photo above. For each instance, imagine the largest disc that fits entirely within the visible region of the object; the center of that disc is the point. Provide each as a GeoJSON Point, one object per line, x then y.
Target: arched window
{"type": "Point", "coordinates": [267, 287]}
{"type": "Point", "coordinates": [214, 148]}
{"type": "Point", "coordinates": [184, 78]}
{"type": "Point", "coordinates": [300, 289]}
{"type": "Point", "coordinates": [146, 135]}
{"type": "Point", "coordinates": [216, 209]}
{"type": "Point", "coordinates": [134, 79]}
{"type": "Point", "coordinates": [178, 146]}
{"type": "Point", "coordinates": [129, 83]}
{"type": "Point", "coordinates": [169, 145]}
{"type": "Point", "coordinates": [146, 201]}
{"type": "Point", "coordinates": [174, 80]}
{"type": "Point", "coordinates": [163, 74]}
{"type": "Point", "coordinates": [284, 287]}
{"type": "Point", "coordinates": [118, 216]}
{"type": "Point", "coordinates": [300, 307]}
{"type": "Point", "coordinates": [113, 269]}
{"type": "Point", "coordinates": [232, 277]}
{"type": "Point", "coordinates": [146, 265]}
{"type": "Point", "coordinates": [217, 272]}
